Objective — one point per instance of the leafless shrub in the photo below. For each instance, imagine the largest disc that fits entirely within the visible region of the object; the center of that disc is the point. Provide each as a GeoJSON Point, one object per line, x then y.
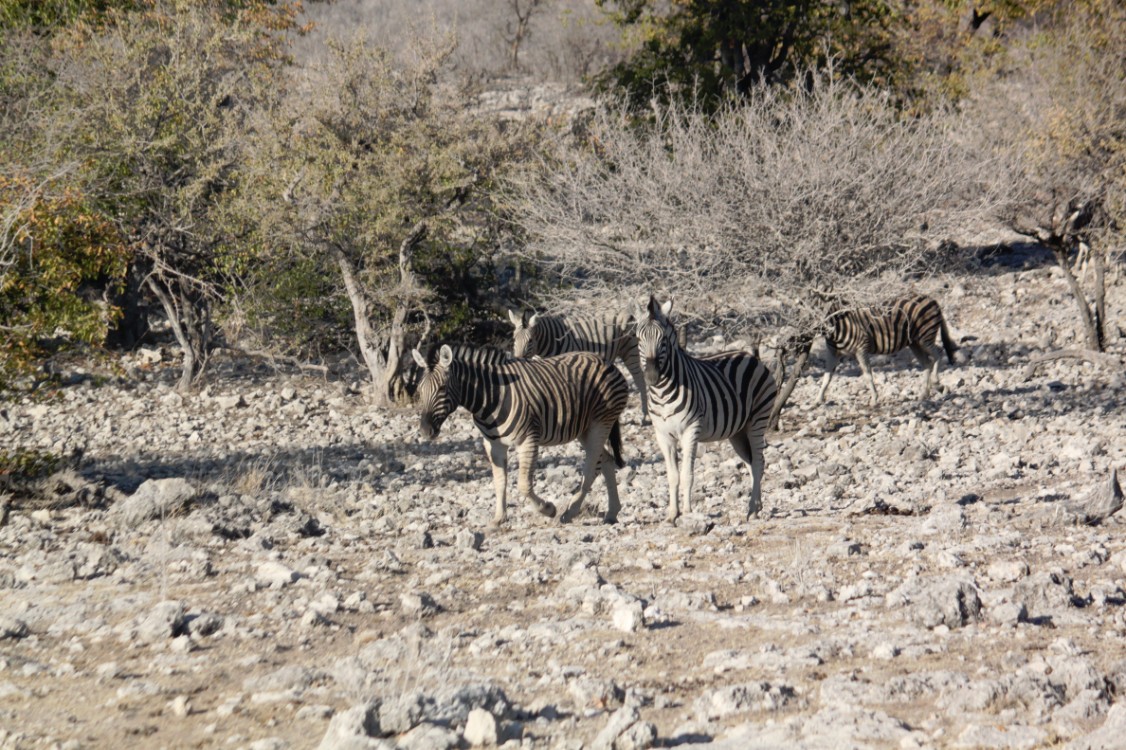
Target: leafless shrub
{"type": "Point", "coordinates": [772, 211]}
{"type": "Point", "coordinates": [562, 40]}
{"type": "Point", "coordinates": [767, 215]}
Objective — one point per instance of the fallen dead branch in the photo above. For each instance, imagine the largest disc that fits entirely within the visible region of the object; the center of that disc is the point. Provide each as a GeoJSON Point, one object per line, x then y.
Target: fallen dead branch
{"type": "Point", "coordinates": [1095, 358]}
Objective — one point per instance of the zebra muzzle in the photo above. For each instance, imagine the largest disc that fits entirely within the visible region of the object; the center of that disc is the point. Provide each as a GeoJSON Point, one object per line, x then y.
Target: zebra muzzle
{"type": "Point", "coordinates": [428, 429]}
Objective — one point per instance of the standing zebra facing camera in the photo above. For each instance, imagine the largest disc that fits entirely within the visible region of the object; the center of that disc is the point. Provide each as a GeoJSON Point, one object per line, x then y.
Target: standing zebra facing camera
{"type": "Point", "coordinates": [904, 322]}
{"type": "Point", "coordinates": [527, 404]}
{"type": "Point", "coordinates": [610, 336]}
{"type": "Point", "coordinates": [693, 400]}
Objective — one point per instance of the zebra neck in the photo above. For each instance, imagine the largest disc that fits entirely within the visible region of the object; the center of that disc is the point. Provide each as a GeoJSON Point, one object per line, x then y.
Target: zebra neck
{"type": "Point", "coordinates": [554, 338]}
{"type": "Point", "coordinates": [667, 375]}
{"type": "Point", "coordinates": [479, 389]}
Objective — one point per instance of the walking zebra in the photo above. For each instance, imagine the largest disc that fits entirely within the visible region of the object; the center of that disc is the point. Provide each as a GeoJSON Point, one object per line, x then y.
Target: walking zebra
{"type": "Point", "coordinates": [527, 404]}
{"type": "Point", "coordinates": [724, 396]}
{"type": "Point", "coordinates": [609, 336]}
{"type": "Point", "coordinates": [903, 322]}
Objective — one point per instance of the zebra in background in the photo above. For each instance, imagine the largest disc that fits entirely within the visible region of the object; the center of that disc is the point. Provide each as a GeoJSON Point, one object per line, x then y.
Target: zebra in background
{"type": "Point", "coordinates": [610, 336]}
{"type": "Point", "coordinates": [903, 322]}
{"type": "Point", "coordinates": [725, 396]}
{"type": "Point", "coordinates": [528, 404]}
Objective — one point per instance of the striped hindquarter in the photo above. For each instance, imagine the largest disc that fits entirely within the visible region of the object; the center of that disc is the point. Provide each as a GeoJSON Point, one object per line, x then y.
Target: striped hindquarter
{"type": "Point", "coordinates": [610, 336]}
{"type": "Point", "coordinates": [725, 396]}
{"type": "Point", "coordinates": [527, 404]}
{"type": "Point", "coordinates": [906, 322]}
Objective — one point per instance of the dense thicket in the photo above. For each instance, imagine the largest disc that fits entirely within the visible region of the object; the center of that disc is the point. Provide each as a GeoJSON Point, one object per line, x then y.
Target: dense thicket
{"type": "Point", "coordinates": [186, 161]}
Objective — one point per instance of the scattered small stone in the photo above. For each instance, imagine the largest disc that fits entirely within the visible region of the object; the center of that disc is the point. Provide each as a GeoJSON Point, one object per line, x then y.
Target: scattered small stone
{"type": "Point", "coordinates": [619, 722]}
{"type": "Point", "coordinates": [1008, 613]}
{"type": "Point", "coordinates": [12, 628]}
{"type": "Point", "coordinates": [931, 603]}
{"type": "Point", "coordinates": [1007, 571]}
{"type": "Point", "coordinates": [402, 713]}
{"type": "Point", "coordinates": [467, 539]}
{"type": "Point", "coordinates": [419, 604]}
{"type": "Point", "coordinates": [315, 712]}
{"type": "Point", "coordinates": [155, 499]}
{"type": "Point", "coordinates": [353, 729]}
{"type": "Point", "coordinates": [480, 728]}
{"type": "Point", "coordinates": [628, 617]}
{"type": "Point", "coordinates": [275, 575]}
{"type": "Point", "coordinates": [164, 621]}
{"type": "Point", "coordinates": [180, 706]}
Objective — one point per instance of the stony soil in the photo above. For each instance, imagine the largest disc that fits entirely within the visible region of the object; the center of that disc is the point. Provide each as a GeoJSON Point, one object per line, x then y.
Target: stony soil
{"type": "Point", "coordinates": [309, 573]}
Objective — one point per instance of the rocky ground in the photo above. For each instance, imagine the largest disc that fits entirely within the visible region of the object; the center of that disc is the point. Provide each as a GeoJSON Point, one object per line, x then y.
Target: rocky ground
{"type": "Point", "coordinates": [270, 563]}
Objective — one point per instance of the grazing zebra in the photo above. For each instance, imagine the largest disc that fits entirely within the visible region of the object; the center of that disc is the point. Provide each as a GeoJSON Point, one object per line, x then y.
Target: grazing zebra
{"type": "Point", "coordinates": [903, 322]}
{"type": "Point", "coordinates": [609, 336]}
{"type": "Point", "coordinates": [526, 404]}
{"type": "Point", "coordinates": [724, 396]}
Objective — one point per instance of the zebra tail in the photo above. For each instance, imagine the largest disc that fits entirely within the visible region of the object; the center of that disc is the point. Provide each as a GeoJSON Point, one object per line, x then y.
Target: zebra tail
{"type": "Point", "coordinates": [616, 444]}
{"type": "Point", "coordinates": [947, 342]}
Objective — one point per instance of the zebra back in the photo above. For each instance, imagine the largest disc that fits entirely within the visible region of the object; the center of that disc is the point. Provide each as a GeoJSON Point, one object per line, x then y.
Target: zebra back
{"type": "Point", "coordinates": [888, 328]}
{"type": "Point", "coordinates": [609, 336]}
{"type": "Point", "coordinates": [722, 393]}
{"type": "Point", "coordinates": [554, 400]}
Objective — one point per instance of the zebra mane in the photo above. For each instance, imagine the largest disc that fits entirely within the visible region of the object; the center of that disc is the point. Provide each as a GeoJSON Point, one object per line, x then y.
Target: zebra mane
{"type": "Point", "coordinates": [483, 355]}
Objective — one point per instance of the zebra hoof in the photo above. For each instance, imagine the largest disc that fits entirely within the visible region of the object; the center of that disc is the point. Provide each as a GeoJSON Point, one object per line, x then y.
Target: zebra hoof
{"type": "Point", "coordinates": [547, 509]}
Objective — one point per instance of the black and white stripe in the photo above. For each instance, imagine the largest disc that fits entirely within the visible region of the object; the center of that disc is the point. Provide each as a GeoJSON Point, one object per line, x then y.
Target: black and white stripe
{"type": "Point", "coordinates": [610, 336]}
{"type": "Point", "coordinates": [526, 404]}
{"type": "Point", "coordinates": [902, 323]}
{"type": "Point", "coordinates": [695, 400]}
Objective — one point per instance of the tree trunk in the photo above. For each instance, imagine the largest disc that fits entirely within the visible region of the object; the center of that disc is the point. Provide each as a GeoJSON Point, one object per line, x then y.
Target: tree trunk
{"type": "Point", "coordinates": [191, 325]}
{"type": "Point", "coordinates": [383, 353]}
{"type": "Point", "coordinates": [366, 337]}
{"type": "Point", "coordinates": [787, 384]}
{"type": "Point", "coordinates": [1090, 334]}
{"type": "Point", "coordinates": [1098, 257]}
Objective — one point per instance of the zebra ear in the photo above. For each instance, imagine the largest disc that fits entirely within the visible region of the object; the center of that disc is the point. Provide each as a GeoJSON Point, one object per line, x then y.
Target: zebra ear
{"type": "Point", "coordinates": [666, 308]}
{"type": "Point", "coordinates": [654, 307]}
{"type": "Point", "coordinates": [445, 356]}
{"type": "Point", "coordinates": [418, 358]}
{"type": "Point", "coordinates": [516, 319]}
{"type": "Point", "coordinates": [532, 320]}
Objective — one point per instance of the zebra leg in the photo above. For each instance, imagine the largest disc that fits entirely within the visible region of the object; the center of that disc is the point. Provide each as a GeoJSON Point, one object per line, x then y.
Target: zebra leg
{"type": "Point", "coordinates": [497, 454]}
{"type": "Point", "coordinates": [667, 444]}
{"type": "Point", "coordinates": [527, 452]}
{"type": "Point", "coordinates": [834, 360]}
{"type": "Point", "coordinates": [688, 443]}
{"type": "Point", "coordinates": [609, 475]}
{"type": "Point", "coordinates": [592, 442]}
{"type": "Point", "coordinates": [750, 447]}
{"type": "Point", "coordinates": [634, 366]}
{"type": "Point", "coordinates": [930, 364]}
{"type": "Point", "coordinates": [862, 358]}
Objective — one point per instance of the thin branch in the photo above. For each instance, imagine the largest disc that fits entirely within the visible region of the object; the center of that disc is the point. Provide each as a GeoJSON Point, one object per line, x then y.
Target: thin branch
{"type": "Point", "coordinates": [1095, 358]}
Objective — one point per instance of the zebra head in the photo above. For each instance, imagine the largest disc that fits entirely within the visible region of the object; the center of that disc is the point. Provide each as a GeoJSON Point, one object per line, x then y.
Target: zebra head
{"type": "Point", "coordinates": [656, 339]}
{"type": "Point", "coordinates": [523, 338]}
{"type": "Point", "coordinates": [434, 401]}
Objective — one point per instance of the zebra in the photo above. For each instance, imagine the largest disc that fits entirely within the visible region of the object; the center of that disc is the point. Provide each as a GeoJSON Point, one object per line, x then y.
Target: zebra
{"type": "Point", "coordinates": [610, 336]}
{"type": "Point", "coordinates": [725, 396]}
{"type": "Point", "coordinates": [527, 404]}
{"type": "Point", "coordinates": [904, 322]}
